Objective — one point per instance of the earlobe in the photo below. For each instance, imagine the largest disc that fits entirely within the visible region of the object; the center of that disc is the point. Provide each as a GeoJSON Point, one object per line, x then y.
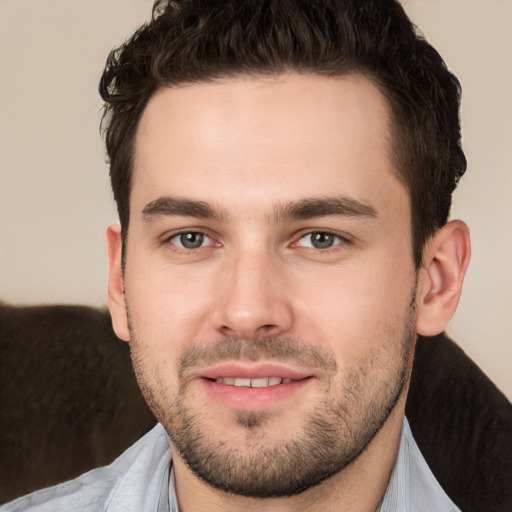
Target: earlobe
{"type": "Point", "coordinates": [116, 299]}
{"type": "Point", "coordinates": [445, 260]}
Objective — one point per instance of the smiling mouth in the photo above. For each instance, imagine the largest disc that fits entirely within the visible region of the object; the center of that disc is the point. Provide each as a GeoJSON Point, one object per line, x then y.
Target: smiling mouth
{"type": "Point", "coordinates": [254, 390]}
{"type": "Point", "coordinates": [263, 382]}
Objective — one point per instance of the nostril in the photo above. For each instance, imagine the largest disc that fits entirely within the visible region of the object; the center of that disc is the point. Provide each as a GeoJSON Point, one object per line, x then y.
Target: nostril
{"type": "Point", "coordinates": [266, 329]}
{"type": "Point", "coordinates": [227, 331]}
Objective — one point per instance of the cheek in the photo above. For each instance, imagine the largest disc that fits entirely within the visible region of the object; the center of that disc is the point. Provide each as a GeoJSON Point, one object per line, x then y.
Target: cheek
{"type": "Point", "coordinates": [355, 309]}
{"type": "Point", "coordinates": [167, 305]}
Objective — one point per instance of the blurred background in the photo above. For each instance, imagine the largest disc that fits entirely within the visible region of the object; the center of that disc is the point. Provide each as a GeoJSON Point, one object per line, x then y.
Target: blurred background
{"type": "Point", "coordinates": [55, 199]}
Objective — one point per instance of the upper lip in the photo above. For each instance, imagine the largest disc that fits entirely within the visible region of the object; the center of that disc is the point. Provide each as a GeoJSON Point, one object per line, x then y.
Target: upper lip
{"type": "Point", "coordinates": [252, 371]}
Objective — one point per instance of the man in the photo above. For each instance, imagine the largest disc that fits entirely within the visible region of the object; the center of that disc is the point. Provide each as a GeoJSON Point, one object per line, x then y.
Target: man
{"type": "Point", "coordinates": [283, 172]}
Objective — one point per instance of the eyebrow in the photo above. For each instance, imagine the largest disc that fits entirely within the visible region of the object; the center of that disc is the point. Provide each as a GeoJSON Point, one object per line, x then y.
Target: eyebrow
{"type": "Point", "coordinates": [168, 206]}
{"type": "Point", "coordinates": [324, 207]}
{"type": "Point", "coordinates": [303, 209]}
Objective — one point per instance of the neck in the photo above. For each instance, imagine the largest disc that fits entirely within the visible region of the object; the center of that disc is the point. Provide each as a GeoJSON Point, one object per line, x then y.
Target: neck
{"type": "Point", "coordinates": [359, 487]}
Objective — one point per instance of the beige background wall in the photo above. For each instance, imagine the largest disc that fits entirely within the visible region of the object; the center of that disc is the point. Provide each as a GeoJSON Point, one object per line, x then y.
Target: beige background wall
{"type": "Point", "coordinates": [54, 194]}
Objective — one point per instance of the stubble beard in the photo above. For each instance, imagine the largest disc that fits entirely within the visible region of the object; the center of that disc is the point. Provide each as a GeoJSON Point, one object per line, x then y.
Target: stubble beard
{"type": "Point", "coordinates": [335, 433]}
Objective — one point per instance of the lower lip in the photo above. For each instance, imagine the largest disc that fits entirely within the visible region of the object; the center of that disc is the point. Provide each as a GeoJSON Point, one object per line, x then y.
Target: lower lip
{"type": "Point", "coordinates": [253, 399]}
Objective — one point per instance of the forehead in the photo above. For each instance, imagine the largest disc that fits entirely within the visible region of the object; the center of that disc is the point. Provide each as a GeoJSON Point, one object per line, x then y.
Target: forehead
{"type": "Point", "coordinates": [262, 138]}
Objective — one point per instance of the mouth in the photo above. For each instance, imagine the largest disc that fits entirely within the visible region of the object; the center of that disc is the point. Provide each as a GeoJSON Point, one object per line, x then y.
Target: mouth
{"type": "Point", "coordinates": [254, 387]}
{"type": "Point", "coordinates": [262, 382]}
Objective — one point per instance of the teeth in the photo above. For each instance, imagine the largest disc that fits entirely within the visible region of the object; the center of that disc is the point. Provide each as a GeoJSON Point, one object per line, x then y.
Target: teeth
{"type": "Point", "coordinates": [253, 383]}
{"type": "Point", "coordinates": [259, 383]}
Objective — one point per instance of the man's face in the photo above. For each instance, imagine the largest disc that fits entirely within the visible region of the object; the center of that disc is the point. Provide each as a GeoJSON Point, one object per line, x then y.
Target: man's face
{"type": "Point", "coordinates": [269, 278]}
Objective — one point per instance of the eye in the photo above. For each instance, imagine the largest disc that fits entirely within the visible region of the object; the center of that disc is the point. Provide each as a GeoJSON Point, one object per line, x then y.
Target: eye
{"type": "Point", "coordinates": [191, 240]}
{"type": "Point", "coordinates": [320, 240]}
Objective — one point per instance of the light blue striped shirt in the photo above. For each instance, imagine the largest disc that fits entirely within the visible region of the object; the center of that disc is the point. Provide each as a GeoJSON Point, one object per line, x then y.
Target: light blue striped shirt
{"type": "Point", "coordinates": [142, 480]}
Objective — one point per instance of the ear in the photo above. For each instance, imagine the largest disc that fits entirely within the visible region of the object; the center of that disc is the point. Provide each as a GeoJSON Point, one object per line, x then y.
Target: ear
{"type": "Point", "coordinates": [445, 260]}
{"type": "Point", "coordinates": [116, 299]}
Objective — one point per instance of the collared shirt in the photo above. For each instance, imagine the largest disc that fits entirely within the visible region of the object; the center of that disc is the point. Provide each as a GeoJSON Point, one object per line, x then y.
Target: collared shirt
{"type": "Point", "coordinates": [412, 486]}
{"type": "Point", "coordinates": [142, 480]}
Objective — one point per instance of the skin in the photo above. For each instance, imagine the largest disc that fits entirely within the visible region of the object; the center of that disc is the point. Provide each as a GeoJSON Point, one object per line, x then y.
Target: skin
{"type": "Point", "coordinates": [256, 152]}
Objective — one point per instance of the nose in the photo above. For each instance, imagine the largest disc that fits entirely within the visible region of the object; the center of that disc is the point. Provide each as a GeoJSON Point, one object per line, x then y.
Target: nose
{"type": "Point", "coordinates": [253, 299]}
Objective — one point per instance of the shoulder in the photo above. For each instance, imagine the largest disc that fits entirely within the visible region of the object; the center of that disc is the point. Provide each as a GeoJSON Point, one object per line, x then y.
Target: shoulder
{"type": "Point", "coordinates": [106, 486]}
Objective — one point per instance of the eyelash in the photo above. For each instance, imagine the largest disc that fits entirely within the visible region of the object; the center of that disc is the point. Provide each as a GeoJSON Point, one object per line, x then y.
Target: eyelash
{"type": "Point", "coordinates": [168, 240]}
{"type": "Point", "coordinates": [336, 239]}
{"type": "Point", "coordinates": [342, 240]}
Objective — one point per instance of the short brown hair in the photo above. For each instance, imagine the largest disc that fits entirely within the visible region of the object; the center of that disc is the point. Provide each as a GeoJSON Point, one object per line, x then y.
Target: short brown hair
{"type": "Point", "coordinates": [201, 40]}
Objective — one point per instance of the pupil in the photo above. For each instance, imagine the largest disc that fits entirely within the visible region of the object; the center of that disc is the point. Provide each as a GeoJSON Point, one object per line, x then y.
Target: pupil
{"type": "Point", "coordinates": [191, 240]}
{"type": "Point", "coordinates": [322, 240]}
